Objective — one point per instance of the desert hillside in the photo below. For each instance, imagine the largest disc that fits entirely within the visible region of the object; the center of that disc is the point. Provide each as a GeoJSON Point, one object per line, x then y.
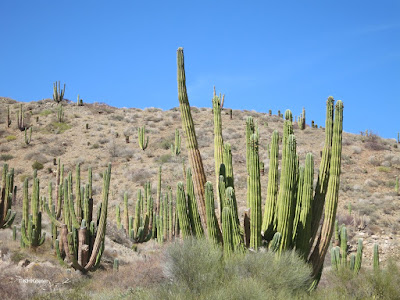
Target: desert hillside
{"type": "Point", "coordinates": [95, 134]}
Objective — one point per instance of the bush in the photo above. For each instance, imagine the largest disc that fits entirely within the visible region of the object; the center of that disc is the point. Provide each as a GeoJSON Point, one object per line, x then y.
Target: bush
{"type": "Point", "coordinates": [196, 269]}
{"type": "Point", "coordinates": [10, 138]}
{"type": "Point", "coordinates": [368, 284]}
{"type": "Point", "coordinates": [164, 158]}
{"type": "Point", "coordinates": [37, 166]}
{"type": "Point", "coordinates": [5, 157]}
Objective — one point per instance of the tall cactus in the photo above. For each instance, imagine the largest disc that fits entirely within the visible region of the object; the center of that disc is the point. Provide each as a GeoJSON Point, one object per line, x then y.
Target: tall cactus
{"type": "Point", "coordinates": [181, 209]}
{"type": "Point", "coordinates": [143, 142]}
{"type": "Point", "coordinates": [199, 176]}
{"type": "Point", "coordinates": [272, 189]}
{"type": "Point", "coordinates": [58, 93]}
{"type": "Point", "coordinates": [304, 226]}
{"type": "Point", "coordinates": [214, 232]}
{"type": "Point", "coordinates": [323, 175]}
{"type": "Point", "coordinates": [286, 197]}
{"type": "Point", "coordinates": [332, 193]}
{"type": "Point", "coordinates": [31, 227]}
{"type": "Point", "coordinates": [376, 257]}
{"type": "Point", "coordinates": [176, 147]}
{"type": "Point", "coordinates": [194, 216]}
{"type": "Point", "coordinates": [218, 142]}
{"type": "Point", "coordinates": [8, 195]}
{"type": "Point", "coordinates": [254, 191]}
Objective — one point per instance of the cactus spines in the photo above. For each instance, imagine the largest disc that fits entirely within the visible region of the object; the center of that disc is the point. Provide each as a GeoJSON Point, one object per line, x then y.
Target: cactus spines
{"type": "Point", "coordinates": [58, 93]}
{"type": "Point", "coordinates": [214, 232]}
{"type": "Point", "coordinates": [272, 189]}
{"type": "Point", "coordinates": [181, 209]}
{"type": "Point", "coordinates": [199, 177]}
{"type": "Point", "coordinates": [143, 142]}
{"type": "Point", "coordinates": [376, 257]}
{"type": "Point", "coordinates": [332, 193]}
{"type": "Point", "coordinates": [8, 196]}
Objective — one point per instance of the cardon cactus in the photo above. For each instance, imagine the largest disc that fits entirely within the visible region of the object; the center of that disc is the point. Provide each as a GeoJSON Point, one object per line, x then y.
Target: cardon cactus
{"type": "Point", "coordinates": [218, 142]}
{"type": "Point", "coordinates": [176, 147]}
{"type": "Point", "coordinates": [182, 211]}
{"type": "Point", "coordinates": [8, 196]}
{"type": "Point", "coordinates": [31, 226]}
{"type": "Point", "coordinates": [196, 162]}
{"type": "Point", "coordinates": [142, 138]}
{"type": "Point", "coordinates": [82, 243]}
{"type": "Point", "coordinates": [58, 93]}
{"type": "Point", "coordinates": [214, 232]}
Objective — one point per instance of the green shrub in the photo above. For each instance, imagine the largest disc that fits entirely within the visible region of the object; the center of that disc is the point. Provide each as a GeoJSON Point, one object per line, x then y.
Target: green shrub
{"type": "Point", "coordinates": [45, 112]}
{"type": "Point", "coordinates": [196, 269]}
{"type": "Point", "coordinates": [5, 157]}
{"type": "Point", "coordinates": [384, 169]}
{"type": "Point", "coordinates": [164, 158]}
{"type": "Point", "coordinates": [95, 146]}
{"type": "Point", "coordinates": [37, 166]}
{"type": "Point", "coordinates": [369, 284]}
{"type": "Point", "coordinates": [10, 138]}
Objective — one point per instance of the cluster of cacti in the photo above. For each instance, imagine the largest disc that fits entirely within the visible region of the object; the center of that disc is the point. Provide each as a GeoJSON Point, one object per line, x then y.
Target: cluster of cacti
{"type": "Point", "coordinates": [21, 119]}
{"type": "Point", "coordinates": [81, 238]}
{"type": "Point", "coordinates": [143, 141]}
{"type": "Point", "coordinates": [176, 147]}
{"type": "Point", "coordinates": [293, 210]}
{"type": "Point", "coordinates": [339, 257]}
{"type": "Point", "coordinates": [79, 101]}
{"type": "Point", "coordinates": [28, 136]}
{"type": "Point", "coordinates": [8, 196]}
{"type": "Point", "coordinates": [58, 93]}
{"type": "Point", "coordinates": [60, 114]}
{"type": "Point", "coordinates": [31, 226]}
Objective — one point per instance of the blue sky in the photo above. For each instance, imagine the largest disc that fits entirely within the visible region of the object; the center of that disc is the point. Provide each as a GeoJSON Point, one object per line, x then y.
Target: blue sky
{"type": "Point", "coordinates": [262, 54]}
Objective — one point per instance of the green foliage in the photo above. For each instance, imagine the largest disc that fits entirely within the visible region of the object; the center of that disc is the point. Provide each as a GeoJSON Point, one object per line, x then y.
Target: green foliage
{"type": "Point", "coordinates": [10, 138]}
{"type": "Point", "coordinates": [196, 269]}
{"type": "Point", "coordinates": [37, 166]}
{"type": "Point", "coordinates": [368, 284]}
{"type": "Point", "coordinates": [46, 112]}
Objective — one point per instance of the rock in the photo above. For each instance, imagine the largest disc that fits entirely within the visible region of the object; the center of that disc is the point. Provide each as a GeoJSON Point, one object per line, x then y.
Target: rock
{"type": "Point", "coordinates": [23, 263]}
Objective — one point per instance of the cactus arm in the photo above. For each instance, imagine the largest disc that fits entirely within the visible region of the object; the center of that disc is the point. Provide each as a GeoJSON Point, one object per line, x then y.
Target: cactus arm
{"type": "Point", "coordinates": [101, 231]}
{"type": "Point", "coordinates": [332, 195]}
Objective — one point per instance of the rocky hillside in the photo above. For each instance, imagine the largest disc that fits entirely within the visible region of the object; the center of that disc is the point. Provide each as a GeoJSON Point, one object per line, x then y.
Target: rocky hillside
{"type": "Point", "coordinates": [95, 134]}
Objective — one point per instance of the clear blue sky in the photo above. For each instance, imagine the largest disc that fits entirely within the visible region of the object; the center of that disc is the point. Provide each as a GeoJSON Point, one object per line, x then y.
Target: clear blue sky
{"type": "Point", "coordinates": [262, 54]}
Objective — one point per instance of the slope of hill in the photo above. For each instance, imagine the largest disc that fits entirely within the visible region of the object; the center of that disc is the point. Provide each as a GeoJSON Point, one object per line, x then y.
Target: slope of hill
{"type": "Point", "coordinates": [94, 134]}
